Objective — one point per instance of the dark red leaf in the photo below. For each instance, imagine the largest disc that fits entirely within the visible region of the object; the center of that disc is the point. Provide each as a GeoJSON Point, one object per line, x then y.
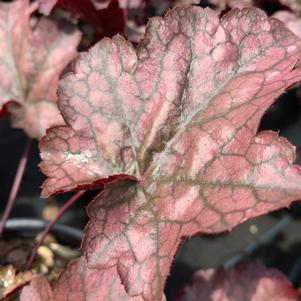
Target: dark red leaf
{"type": "Point", "coordinates": [128, 4]}
{"type": "Point", "coordinates": [180, 114]}
{"type": "Point", "coordinates": [31, 63]}
{"type": "Point", "coordinates": [47, 5]}
{"type": "Point", "coordinates": [3, 112]}
{"type": "Point", "coordinates": [107, 21]}
{"type": "Point", "coordinates": [294, 5]}
{"type": "Point", "coordinates": [247, 282]}
{"type": "Point", "coordinates": [184, 2]}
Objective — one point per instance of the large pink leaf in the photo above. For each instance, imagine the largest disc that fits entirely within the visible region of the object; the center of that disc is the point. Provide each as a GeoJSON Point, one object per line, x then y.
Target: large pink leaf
{"type": "Point", "coordinates": [180, 115]}
{"type": "Point", "coordinates": [247, 282]}
{"type": "Point", "coordinates": [31, 63]}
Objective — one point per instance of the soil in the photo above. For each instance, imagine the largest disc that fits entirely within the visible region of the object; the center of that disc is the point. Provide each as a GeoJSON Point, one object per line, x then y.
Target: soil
{"type": "Point", "coordinates": [51, 257]}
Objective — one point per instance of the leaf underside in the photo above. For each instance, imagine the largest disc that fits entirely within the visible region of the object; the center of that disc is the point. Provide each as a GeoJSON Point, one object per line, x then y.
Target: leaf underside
{"type": "Point", "coordinates": [179, 116]}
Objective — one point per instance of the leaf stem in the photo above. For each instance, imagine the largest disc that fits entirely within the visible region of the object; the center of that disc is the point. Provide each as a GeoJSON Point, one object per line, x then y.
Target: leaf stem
{"type": "Point", "coordinates": [48, 228]}
{"type": "Point", "coordinates": [16, 185]}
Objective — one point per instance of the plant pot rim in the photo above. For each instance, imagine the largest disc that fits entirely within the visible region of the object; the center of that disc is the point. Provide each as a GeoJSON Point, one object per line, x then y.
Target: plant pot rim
{"type": "Point", "coordinates": [34, 224]}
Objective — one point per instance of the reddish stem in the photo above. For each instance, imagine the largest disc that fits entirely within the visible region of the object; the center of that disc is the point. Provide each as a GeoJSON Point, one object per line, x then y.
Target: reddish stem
{"type": "Point", "coordinates": [16, 185]}
{"type": "Point", "coordinates": [45, 232]}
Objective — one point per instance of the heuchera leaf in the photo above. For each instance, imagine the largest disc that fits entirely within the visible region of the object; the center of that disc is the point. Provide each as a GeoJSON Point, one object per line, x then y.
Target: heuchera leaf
{"type": "Point", "coordinates": [247, 282]}
{"type": "Point", "coordinates": [82, 284]}
{"type": "Point", "coordinates": [178, 116]}
{"type": "Point", "coordinates": [31, 63]}
{"type": "Point", "coordinates": [292, 22]}
{"type": "Point", "coordinates": [79, 283]}
{"type": "Point", "coordinates": [3, 112]}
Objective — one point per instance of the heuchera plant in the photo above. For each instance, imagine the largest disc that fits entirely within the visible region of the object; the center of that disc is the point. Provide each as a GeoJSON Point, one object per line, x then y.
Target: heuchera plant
{"type": "Point", "coordinates": [170, 128]}
{"type": "Point", "coordinates": [167, 129]}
